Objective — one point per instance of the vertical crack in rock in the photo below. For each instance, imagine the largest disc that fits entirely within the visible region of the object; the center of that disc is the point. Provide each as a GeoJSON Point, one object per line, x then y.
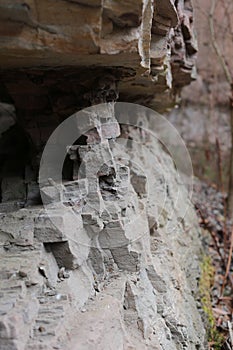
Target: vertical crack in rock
{"type": "Point", "coordinates": [99, 247]}
{"type": "Point", "coordinates": [96, 264]}
{"type": "Point", "coordinates": [96, 241]}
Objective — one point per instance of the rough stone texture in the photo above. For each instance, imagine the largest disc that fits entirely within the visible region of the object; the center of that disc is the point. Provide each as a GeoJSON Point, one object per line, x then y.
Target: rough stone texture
{"type": "Point", "coordinates": [103, 276]}
{"type": "Point", "coordinates": [150, 44]}
{"type": "Point", "coordinates": [96, 266]}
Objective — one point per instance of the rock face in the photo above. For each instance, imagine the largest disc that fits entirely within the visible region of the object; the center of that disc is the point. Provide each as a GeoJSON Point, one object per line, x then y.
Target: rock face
{"type": "Point", "coordinates": [102, 256]}
{"type": "Point", "coordinates": [104, 272]}
{"type": "Point", "coordinates": [150, 45]}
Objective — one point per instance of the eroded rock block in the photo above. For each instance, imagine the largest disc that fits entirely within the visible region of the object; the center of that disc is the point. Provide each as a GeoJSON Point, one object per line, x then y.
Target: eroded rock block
{"type": "Point", "coordinates": [96, 260]}
{"type": "Point", "coordinates": [50, 228]}
{"type": "Point", "coordinates": [125, 259]}
{"type": "Point", "coordinates": [51, 194]}
{"type": "Point", "coordinates": [69, 254]}
{"type": "Point", "coordinates": [56, 225]}
{"type": "Point", "coordinates": [113, 235]}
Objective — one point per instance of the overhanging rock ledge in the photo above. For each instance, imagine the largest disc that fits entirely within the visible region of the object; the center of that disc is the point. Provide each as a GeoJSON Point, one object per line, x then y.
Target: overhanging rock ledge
{"type": "Point", "coordinates": [127, 282]}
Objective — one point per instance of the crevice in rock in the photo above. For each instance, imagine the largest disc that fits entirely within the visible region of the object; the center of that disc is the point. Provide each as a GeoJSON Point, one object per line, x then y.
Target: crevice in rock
{"type": "Point", "coordinates": [100, 222]}
{"type": "Point", "coordinates": [62, 254]}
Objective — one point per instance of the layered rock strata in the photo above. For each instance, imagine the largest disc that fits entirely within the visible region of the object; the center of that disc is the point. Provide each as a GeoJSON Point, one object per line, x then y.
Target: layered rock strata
{"type": "Point", "coordinates": [151, 42]}
{"type": "Point", "coordinates": [89, 262]}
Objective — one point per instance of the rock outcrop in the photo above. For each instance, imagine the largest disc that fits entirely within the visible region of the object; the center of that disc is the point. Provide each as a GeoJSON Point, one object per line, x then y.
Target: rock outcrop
{"type": "Point", "coordinates": [102, 255]}
{"type": "Point", "coordinates": [150, 47]}
{"type": "Point", "coordinates": [97, 267]}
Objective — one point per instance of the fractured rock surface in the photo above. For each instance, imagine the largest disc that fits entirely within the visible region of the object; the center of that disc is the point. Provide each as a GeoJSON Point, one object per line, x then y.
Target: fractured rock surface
{"type": "Point", "coordinates": [89, 260]}
{"type": "Point", "coordinates": [97, 266]}
{"type": "Point", "coordinates": [150, 45]}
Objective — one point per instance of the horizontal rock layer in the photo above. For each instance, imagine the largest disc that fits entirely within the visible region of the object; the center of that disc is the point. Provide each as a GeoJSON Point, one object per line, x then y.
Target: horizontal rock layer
{"type": "Point", "coordinates": [153, 41]}
{"type": "Point", "coordinates": [96, 265]}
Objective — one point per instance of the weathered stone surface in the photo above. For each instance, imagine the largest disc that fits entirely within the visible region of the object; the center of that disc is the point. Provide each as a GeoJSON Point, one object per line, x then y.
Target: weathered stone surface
{"type": "Point", "coordinates": [50, 228]}
{"type": "Point", "coordinates": [20, 284]}
{"type": "Point", "coordinates": [17, 227]}
{"type": "Point", "coordinates": [133, 35]}
{"type": "Point", "coordinates": [118, 253]}
{"type": "Point", "coordinates": [96, 267]}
